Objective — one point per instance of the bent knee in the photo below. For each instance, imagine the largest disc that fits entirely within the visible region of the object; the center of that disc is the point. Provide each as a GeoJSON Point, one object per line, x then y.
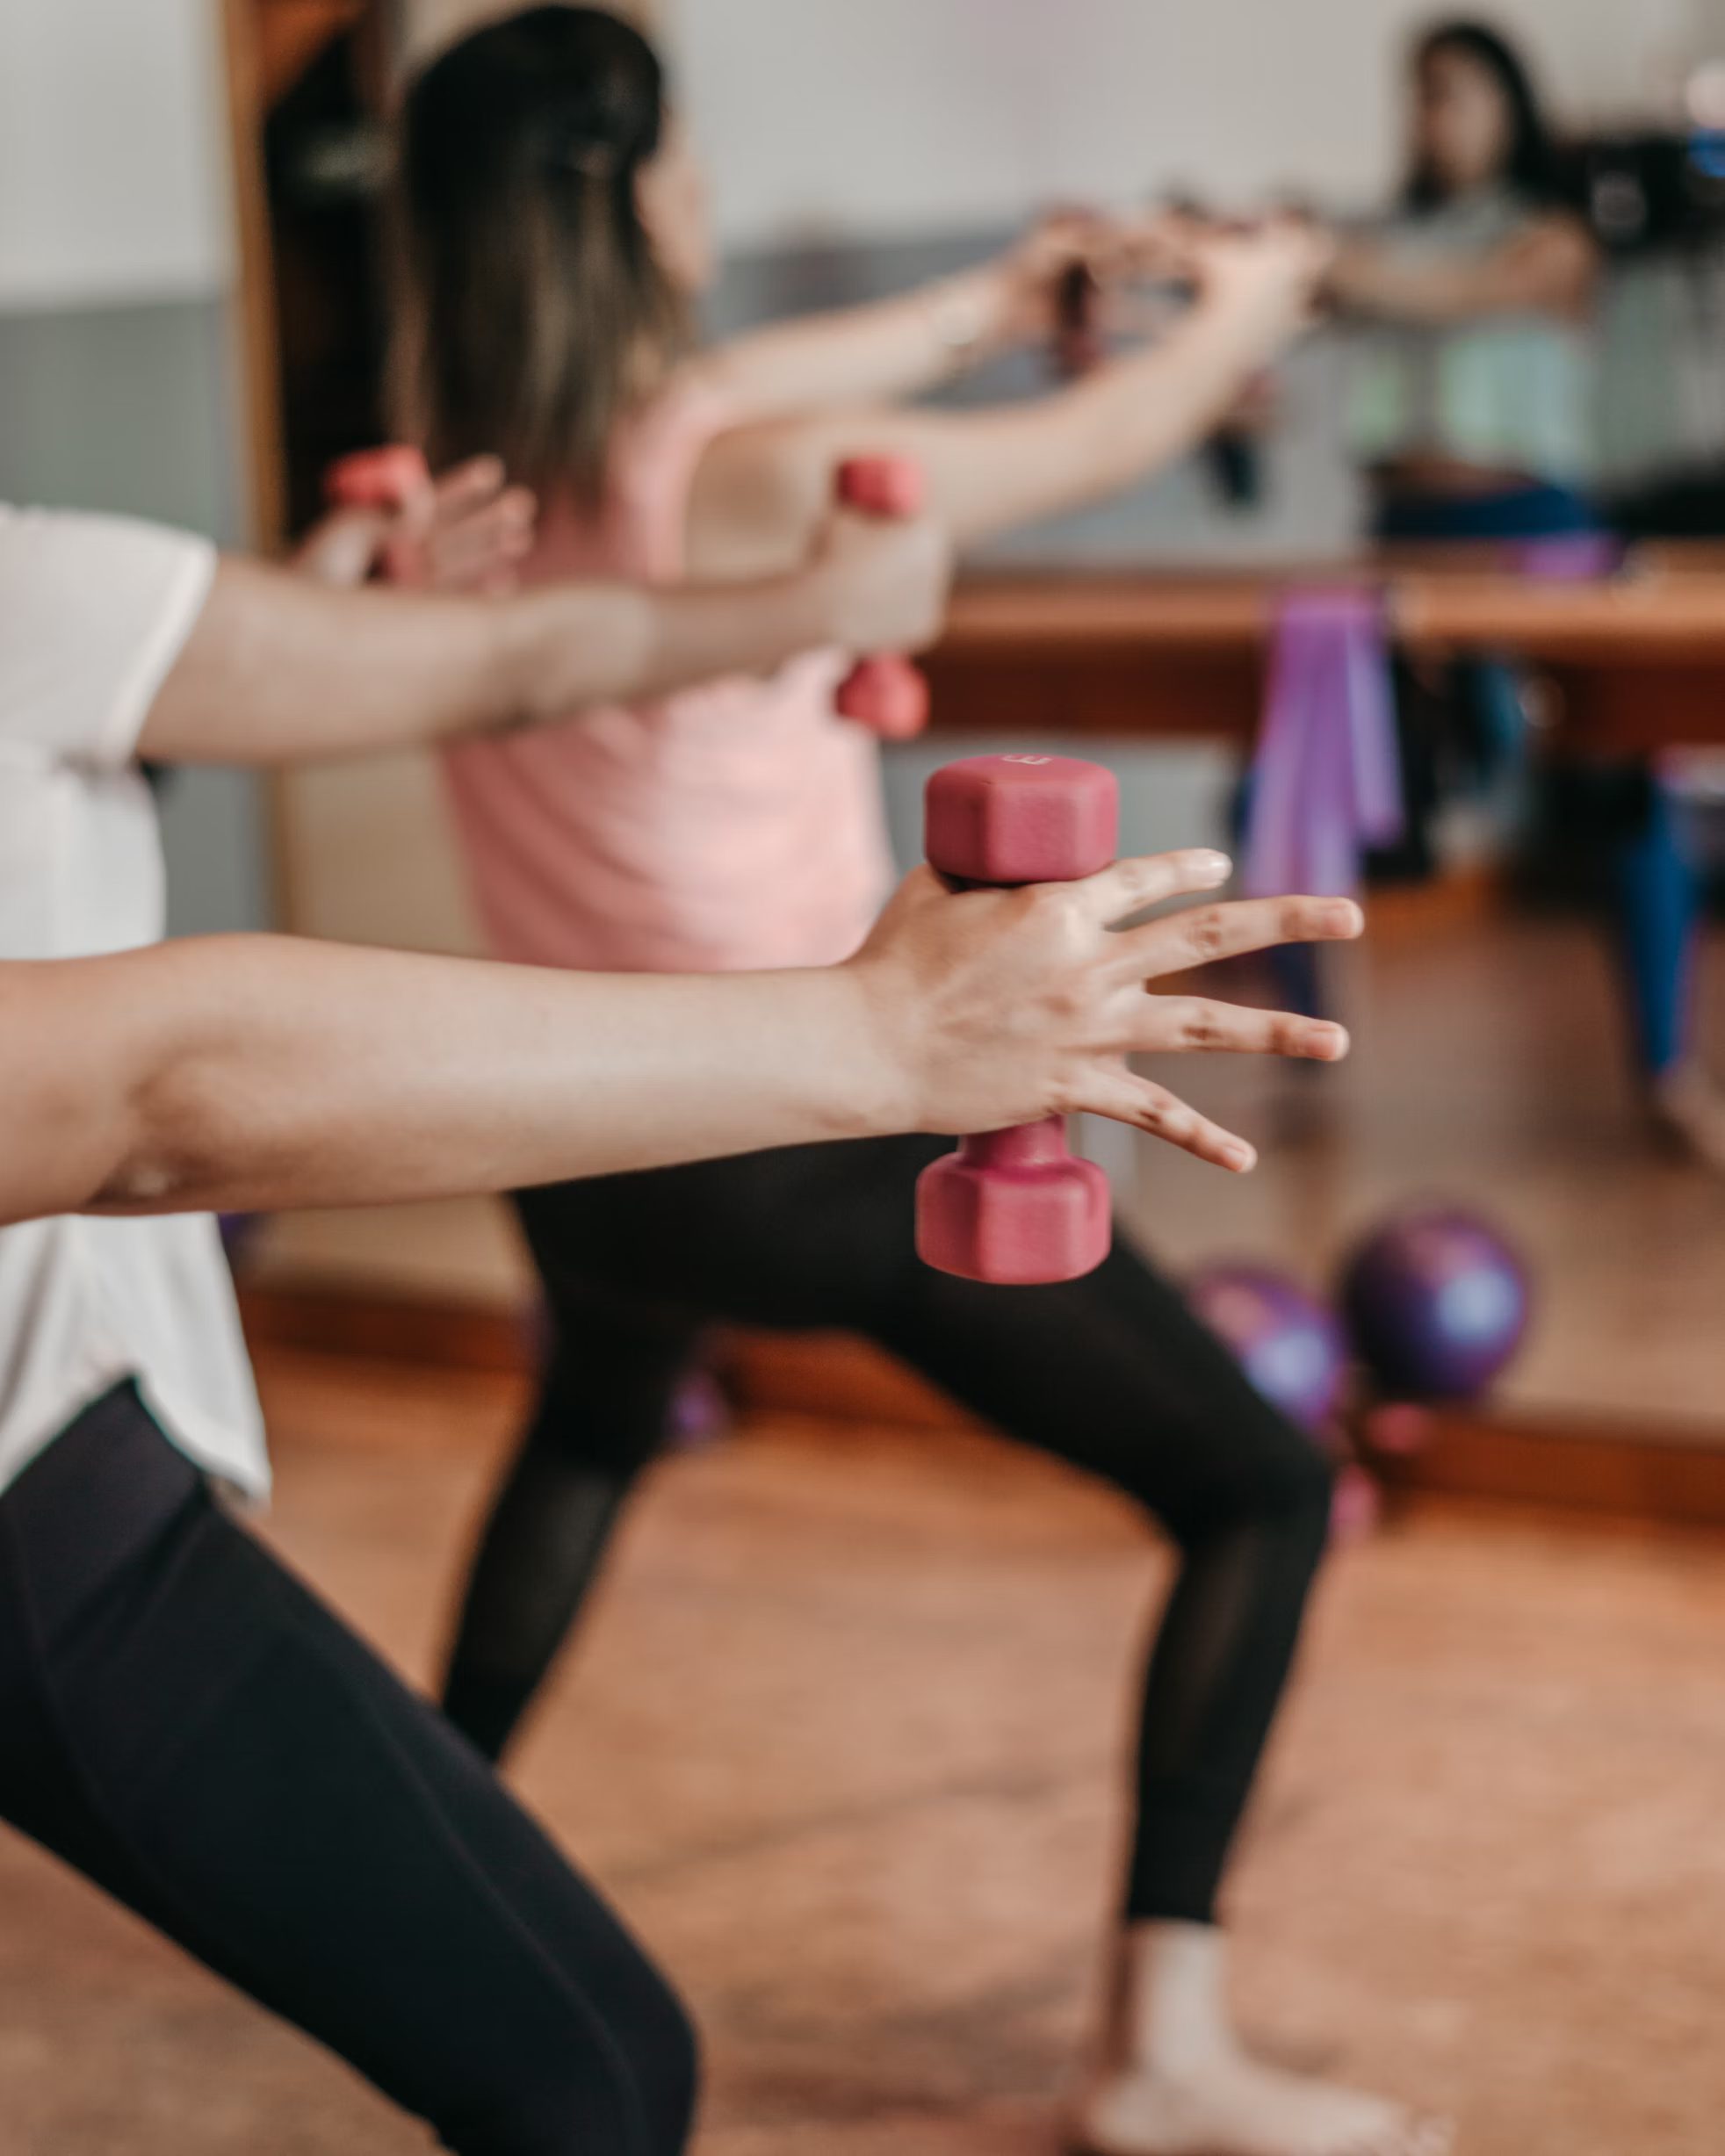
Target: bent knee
{"type": "Point", "coordinates": [1281, 1488]}
{"type": "Point", "coordinates": [612, 2088]}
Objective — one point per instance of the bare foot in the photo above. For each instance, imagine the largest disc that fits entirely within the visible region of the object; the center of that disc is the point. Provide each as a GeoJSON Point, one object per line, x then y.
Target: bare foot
{"type": "Point", "coordinates": [1173, 2078]}
{"type": "Point", "coordinates": [1234, 2107]}
{"type": "Point", "coordinates": [1690, 1108]}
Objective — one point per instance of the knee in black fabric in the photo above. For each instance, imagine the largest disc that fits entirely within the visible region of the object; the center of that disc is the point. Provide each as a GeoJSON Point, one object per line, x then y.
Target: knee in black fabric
{"type": "Point", "coordinates": [1296, 1483]}
{"type": "Point", "coordinates": [643, 2105]}
{"type": "Point", "coordinates": [606, 1402]}
{"type": "Point", "coordinates": [1270, 1476]}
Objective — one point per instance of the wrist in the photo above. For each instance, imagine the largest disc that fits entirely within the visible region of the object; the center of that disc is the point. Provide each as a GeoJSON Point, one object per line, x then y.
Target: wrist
{"type": "Point", "coordinates": [972, 313]}
{"type": "Point", "coordinates": [808, 610]}
{"type": "Point", "coordinates": [1246, 324]}
{"type": "Point", "coordinates": [869, 1031]}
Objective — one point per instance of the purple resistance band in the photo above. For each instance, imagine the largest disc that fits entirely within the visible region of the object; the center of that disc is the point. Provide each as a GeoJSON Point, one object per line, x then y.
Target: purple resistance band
{"type": "Point", "coordinates": [1326, 778]}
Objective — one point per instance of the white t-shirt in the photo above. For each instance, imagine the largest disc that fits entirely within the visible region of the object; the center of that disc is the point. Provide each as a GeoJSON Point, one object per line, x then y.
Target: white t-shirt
{"type": "Point", "coordinates": [93, 612]}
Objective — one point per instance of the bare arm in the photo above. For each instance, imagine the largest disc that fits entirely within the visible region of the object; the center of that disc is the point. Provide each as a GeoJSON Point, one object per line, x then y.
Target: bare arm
{"type": "Point", "coordinates": [271, 1072]}
{"type": "Point", "coordinates": [1552, 268]}
{"type": "Point", "coordinates": [893, 348]}
{"type": "Point", "coordinates": [1009, 463]}
{"type": "Point", "coordinates": [281, 669]}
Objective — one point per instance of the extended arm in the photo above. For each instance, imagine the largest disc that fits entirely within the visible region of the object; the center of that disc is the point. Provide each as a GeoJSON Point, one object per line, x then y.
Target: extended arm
{"type": "Point", "coordinates": [1009, 463]}
{"type": "Point", "coordinates": [272, 1073]}
{"type": "Point", "coordinates": [890, 349]}
{"type": "Point", "coordinates": [280, 667]}
{"type": "Point", "coordinates": [1552, 268]}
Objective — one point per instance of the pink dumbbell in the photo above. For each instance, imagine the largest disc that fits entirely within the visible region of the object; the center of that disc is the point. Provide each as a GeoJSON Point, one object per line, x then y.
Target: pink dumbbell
{"type": "Point", "coordinates": [1014, 1207]}
{"type": "Point", "coordinates": [383, 479]}
{"type": "Point", "coordinates": [885, 693]}
{"type": "Point", "coordinates": [376, 478]}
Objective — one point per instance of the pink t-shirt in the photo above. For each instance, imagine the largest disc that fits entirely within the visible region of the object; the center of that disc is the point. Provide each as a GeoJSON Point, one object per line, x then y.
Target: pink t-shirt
{"type": "Point", "coordinates": [738, 825]}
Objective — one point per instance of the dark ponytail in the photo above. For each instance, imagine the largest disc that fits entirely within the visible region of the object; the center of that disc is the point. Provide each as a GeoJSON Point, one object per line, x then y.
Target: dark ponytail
{"type": "Point", "coordinates": [533, 312]}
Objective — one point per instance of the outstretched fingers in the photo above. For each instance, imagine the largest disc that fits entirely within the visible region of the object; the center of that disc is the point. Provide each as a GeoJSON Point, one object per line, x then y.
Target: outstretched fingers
{"type": "Point", "coordinates": [1129, 886]}
{"type": "Point", "coordinates": [1189, 1023]}
{"type": "Point", "coordinates": [1201, 935]}
{"type": "Point", "coordinates": [1125, 1097]}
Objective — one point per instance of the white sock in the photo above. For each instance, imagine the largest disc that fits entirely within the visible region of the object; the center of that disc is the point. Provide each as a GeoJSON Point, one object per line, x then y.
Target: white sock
{"type": "Point", "coordinates": [1175, 2079]}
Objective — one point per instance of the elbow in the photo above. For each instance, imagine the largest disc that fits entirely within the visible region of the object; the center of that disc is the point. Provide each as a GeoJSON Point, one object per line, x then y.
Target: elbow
{"type": "Point", "coordinates": [163, 1153]}
{"type": "Point", "coordinates": [148, 1176]}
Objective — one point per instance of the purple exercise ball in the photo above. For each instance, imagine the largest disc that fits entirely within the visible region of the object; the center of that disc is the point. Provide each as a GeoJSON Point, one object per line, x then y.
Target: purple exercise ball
{"type": "Point", "coordinates": [1437, 1302]}
{"type": "Point", "coordinates": [1287, 1343]}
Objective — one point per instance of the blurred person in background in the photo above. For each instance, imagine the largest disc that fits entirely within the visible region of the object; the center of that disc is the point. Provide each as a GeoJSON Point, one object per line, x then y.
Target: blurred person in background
{"type": "Point", "coordinates": [555, 237]}
{"type": "Point", "coordinates": [1473, 414]}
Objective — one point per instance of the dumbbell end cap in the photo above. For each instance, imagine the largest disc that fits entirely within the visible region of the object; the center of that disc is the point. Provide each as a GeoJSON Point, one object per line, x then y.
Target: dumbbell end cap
{"type": "Point", "coordinates": [882, 486]}
{"type": "Point", "coordinates": [1013, 1228]}
{"type": "Point", "coordinates": [376, 478]}
{"type": "Point", "coordinates": [1021, 818]}
{"type": "Point", "coordinates": [887, 694]}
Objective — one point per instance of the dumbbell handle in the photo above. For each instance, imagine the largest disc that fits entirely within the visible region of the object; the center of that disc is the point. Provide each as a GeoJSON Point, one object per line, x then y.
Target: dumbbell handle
{"type": "Point", "coordinates": [1025, 1145]}
{"type": "Point", "coordinates": [1015, 1205]}
{"type": "Point", "coordinates": [385, 478]}
{"type": "Point", "coordinates": [884, 693]}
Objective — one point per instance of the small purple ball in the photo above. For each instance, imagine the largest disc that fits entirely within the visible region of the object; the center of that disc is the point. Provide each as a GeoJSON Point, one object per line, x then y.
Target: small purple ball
{"type": "Point", "coordinates": [1287, 1343]}
{"type": "Point", "coordinates": [1437, 1302]}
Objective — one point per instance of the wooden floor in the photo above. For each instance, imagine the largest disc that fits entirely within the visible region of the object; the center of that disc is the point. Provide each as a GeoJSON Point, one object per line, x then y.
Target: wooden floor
{"type": "Point", "coordinates": [844, 1743]}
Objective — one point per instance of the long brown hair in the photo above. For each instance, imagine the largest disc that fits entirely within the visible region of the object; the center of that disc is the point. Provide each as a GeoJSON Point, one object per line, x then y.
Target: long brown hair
{"type": "Point", "coordinates": [533, 314]}
{"type": "Point", "coordinates": [1531, 163]}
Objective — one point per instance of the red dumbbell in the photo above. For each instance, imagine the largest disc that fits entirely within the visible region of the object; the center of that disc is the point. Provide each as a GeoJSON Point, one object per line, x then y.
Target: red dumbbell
{"type": "Point", "coordinates": [885, 693]}
{"type": "Point", "coordinates": [384, 479]}
{"type": "Point", "coordinates": [376, 478]}
{"type": "Point", "coordinates": [1014, 1207]}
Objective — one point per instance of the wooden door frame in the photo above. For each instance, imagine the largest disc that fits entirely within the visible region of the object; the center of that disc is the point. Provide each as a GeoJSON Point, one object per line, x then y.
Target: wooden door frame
{"type": "Point", "coordinates": [257, 358]}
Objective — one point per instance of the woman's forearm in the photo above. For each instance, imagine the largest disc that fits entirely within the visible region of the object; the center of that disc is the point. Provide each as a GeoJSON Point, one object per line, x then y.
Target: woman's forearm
{"type": "Point", "coordinates": [242, 1072]}
{"type": "Point", "coordinates": [645, 643]}
{"type": "Point", "coordinates": [1135, 415]}
{"type": "Point", "coordinates": [1425, 294]}
{"type": "Point", "coordinates": [988, 470]}
{"type": "Point", "coordinates": [280, 669]}
{"type": "Point", "coordinates": [1552, 269]}
{"type": "Point", "coordinates": [1010, 464]}
{"type": "Point", "coordinates": [876, 353]}
{"type": "Point", "coordinates": [272, 1073]}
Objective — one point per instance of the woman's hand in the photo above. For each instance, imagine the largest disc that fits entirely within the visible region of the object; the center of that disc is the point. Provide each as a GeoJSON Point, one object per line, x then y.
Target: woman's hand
{"type": "Point", "coordinates": [1034, 269]}
{"type": "Point", "coordinates": [1269, 273]}
{"type": "Point", "coordinates": [995, 1007]}
{"type": "Point", "coordinates": [467, 531]}
{"type": "Point", "coordinates": [880, 584]}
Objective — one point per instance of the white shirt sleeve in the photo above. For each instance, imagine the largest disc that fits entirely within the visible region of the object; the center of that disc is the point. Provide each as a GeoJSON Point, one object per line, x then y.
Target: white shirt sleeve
{"type": "Point", "coordinates": [93, 613]}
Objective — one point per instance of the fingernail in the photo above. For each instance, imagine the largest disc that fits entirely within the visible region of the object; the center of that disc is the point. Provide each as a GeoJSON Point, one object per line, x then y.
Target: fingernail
{"type": "Point", "coordinates": [1330, 1042]}
{"type": "Point", "coordinates": [1342, 916]}
{"type": "Point", "coordinates": [1216, 867]}
{"type": "Point", "coordinates": [1239, 1155]}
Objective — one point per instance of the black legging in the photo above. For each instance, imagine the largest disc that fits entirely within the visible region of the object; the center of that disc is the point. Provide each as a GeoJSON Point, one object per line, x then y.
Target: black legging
{"type": "Point", "coordinates": [188, 1727]}
{"type": "Point", "coordinates": [1110, 1373]}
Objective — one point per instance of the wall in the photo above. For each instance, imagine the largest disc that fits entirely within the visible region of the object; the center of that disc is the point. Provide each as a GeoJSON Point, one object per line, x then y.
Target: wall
{"type": "Point", "coordinates": [116, 264]}
{"type": "Point", "coordinates": [426, 25]}
{"type": "Point", "coordinates": [822, 116]}
{"type": "Point", "coordinates": [112, 175]}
